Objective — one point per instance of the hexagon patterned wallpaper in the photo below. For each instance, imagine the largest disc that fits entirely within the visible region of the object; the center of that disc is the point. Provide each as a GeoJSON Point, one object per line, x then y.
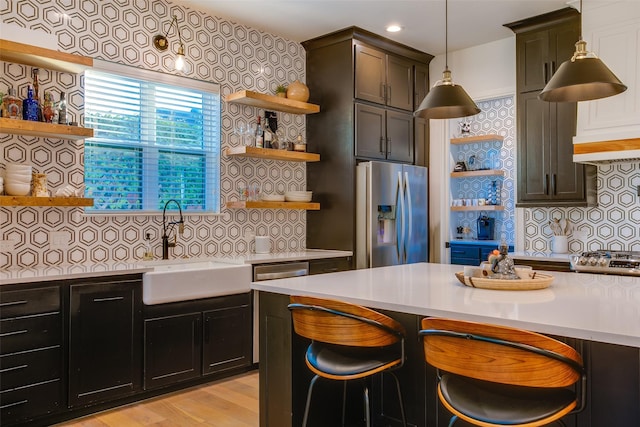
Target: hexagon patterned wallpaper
{"type": "Point", "coordinates": [235, 56]}
{"type": "Point", "coordinates": [497, 117]}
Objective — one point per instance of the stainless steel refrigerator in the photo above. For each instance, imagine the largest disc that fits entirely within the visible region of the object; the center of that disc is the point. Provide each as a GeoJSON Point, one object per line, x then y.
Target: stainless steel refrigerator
{"type": "Point", "coordinates": [391, 214]}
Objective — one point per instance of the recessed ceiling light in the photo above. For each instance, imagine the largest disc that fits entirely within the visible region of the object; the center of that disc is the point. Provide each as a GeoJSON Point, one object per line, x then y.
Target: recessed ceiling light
{"type": "Point", "coordinates": [394, 28]}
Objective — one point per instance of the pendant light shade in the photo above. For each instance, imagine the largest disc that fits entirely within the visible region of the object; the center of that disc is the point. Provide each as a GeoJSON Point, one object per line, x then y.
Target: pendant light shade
{"type": "Point", "coordinates": [582, 78]}
{"type": "Point", "coordinates": [446, 100]}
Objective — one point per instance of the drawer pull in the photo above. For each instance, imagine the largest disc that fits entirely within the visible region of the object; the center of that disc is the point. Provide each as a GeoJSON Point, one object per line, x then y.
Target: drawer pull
{"type": "Point", "coordinates": [8, 334]}
{"type": "Point", "coordinates": [13, 368]}
{"type": "Point", "coordinates": [108, 299]}
{"type": "Point", "coordinates": [10, 303]}
{"type": "Point", "coordinates": [9, 405]}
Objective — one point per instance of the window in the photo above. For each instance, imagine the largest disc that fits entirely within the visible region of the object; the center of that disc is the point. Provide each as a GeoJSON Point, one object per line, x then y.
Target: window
{"type": "Point", "coordinates": [156, 138]}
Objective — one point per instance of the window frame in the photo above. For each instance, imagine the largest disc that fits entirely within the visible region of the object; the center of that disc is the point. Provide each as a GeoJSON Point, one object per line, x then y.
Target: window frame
{"type": "Point", "coordinates": [212, 156]}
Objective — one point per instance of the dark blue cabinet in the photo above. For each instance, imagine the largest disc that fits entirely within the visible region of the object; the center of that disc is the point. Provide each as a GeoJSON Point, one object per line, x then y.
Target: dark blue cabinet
{"type": "Point", "coordinates": [472, 253]}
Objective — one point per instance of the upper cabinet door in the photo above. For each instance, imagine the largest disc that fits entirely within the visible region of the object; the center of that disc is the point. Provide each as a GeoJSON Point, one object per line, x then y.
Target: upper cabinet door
{"type": "Point", "coordinates": [370, 132]}
{"type": "Point", "coordinates": [399, 83]}
{"type": "Point", "coordinates": [370, 74]}
{"type": "Point", "coordinates": [399, 136]}
{"type": "Point", "coordinates": [420, 84]}
{"type": "Point", "coordinates": [532, 61]}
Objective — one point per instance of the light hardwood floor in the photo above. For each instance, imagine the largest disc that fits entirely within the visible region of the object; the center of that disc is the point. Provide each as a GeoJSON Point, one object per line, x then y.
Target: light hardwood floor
{"type": "Point", "coordinates": [231, 402]}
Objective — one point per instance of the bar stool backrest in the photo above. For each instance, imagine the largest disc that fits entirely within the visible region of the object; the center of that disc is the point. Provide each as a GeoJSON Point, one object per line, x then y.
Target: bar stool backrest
{"type": "Point", "coordinates": [499, 354]}
{"type": "Point", "coordinates": [342, 323]}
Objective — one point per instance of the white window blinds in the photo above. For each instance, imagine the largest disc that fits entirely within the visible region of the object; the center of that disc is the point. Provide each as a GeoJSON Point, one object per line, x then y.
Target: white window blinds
{"type": "Point", "coordinates": [156, 138]}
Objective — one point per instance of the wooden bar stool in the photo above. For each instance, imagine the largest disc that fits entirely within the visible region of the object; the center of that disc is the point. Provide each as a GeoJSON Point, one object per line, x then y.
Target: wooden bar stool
{"type": "Point", "coordinates": [348, 342]}
{"type": "Point", "coordinates": [491, 375]}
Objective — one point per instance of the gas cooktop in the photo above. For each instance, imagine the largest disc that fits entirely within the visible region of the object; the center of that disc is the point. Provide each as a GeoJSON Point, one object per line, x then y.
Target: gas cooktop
{"type": "Point", "coordinates": [607, 262]}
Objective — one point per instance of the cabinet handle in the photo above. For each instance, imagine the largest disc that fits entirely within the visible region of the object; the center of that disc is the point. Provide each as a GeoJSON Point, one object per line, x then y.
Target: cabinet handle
{"type": "Point", "coordinates": [381, 145]}
{"type": "Point", "coordinates": [383, 91]}
{"type": "Point", "coordinates": [545, 70]}
{"type": "Point", "coordinates": [8, 334]}
{"type": "Point", "coordinates": [389, 93]}
{"type": "Point", "coordinates": [9, 405]}
{"type": "Point", "coordinates": [553, 184]}
{"type": "Point", "coordinates": [108, 299]}
{"type": "Point", "coordinates": [13, 368]}
{"type": "Point", "coordinates": [8, 304]}
{"type": "Point", "coordinates": [389, 146]}
{"type": "Point", "coordinates": [545, 188]}
{"type": "Point", "coordinates": [553, 67]}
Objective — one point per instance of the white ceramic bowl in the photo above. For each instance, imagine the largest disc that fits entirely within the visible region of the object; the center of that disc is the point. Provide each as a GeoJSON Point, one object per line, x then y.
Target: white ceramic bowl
{"type": "Point", "coordinates": [13, 189]}
{"type": "Point", "coordinates": [294, 198]}
{"type": "Point", "coordinates": [19, 168]}
{"type": "Point", "coordinates": [19, 178]}
{"type": "Point", "coordinates": [273, 197]}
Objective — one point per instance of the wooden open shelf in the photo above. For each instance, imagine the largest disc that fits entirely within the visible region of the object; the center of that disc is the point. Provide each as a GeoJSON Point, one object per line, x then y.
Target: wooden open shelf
{"type": "Point", "coordinates": [311, 206]}
{"type": "Point", "coordinates": [44, 58]}
{"type": "Point", "coordinates": [269, 153]}
{"type": "Point", "coordinates": [271, 102]}
{"type": "Point", "coordinates": [486, 172]}
{"type": "Point", "coordinates": [47, 130]}
{"type": "Point", "coordinates": [477, 138]}
{"type": "Point", "coordinates": [44, 201]}
{"type": "Point", "coordinates": [478, 208]}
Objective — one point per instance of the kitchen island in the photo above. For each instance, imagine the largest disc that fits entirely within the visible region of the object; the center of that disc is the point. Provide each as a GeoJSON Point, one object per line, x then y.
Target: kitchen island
{"type": "Point", "coordinates": [597, 314]}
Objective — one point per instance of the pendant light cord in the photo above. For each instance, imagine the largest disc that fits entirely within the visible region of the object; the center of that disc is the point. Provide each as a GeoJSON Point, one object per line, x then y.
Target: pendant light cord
{"type": "Point", "coordinates": [446, 34]}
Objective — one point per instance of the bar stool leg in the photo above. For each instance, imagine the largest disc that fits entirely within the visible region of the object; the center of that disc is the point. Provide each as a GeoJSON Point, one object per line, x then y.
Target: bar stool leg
{"type": "Point", "coordinates": [366, 404]}
{"type": "Point", "coordinates": [344, 401]}
{"type": "Point", "coordinates": [453, 420]}
{"type": "Point", "coordinates": [404, 419]}
{"type": "Point", "coordinates": [306, 407]}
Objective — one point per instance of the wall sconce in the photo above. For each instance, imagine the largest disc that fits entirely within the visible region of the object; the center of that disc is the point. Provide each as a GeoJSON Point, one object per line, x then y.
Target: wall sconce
{"type": "Point", "coordinates": [161, 43]}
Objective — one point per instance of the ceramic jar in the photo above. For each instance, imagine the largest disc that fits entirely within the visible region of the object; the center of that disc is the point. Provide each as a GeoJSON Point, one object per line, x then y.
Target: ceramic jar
{"type": "Point", "coordinates": [298, 91]}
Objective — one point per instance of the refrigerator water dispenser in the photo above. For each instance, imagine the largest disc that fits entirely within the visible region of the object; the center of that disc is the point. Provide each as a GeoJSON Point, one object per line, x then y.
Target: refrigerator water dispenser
{"type": "Point", "coordinates": [386, 224]}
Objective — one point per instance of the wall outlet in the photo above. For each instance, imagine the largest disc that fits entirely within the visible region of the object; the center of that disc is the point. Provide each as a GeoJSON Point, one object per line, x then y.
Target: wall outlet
{"type": "Point", "coordinates": [59, 240]}
{"type": "Point", "coordinates": [7, 245]}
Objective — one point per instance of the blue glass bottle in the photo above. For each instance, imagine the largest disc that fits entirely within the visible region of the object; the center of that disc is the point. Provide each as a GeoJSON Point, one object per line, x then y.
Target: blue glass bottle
{"type": "Point", "coordinates": [30, 106]}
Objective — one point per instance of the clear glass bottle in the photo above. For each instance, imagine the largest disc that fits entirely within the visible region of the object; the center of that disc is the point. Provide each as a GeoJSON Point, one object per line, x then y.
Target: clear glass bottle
{"type": "Point", "coordinates": [12, 105]}
{"type": "Point", "coordinates": [268, 135]}
{"type": "Point", "coordinates": [259, 134]}
{"type": "Point", "coordinates": [62, 109]}
{"type": "Point", "coordinates": [148, 250]}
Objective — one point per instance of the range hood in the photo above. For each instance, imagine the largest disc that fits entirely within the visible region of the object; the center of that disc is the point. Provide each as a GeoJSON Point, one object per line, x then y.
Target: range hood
{"type": "Point", "coordinates": [607, 151]}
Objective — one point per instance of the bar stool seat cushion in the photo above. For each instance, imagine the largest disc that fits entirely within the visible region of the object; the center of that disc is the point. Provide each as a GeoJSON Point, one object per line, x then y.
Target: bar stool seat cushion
{"type": "Point", "coordinates": [344, 361]}
{"type": "Point", "coordinates": [500, 403]}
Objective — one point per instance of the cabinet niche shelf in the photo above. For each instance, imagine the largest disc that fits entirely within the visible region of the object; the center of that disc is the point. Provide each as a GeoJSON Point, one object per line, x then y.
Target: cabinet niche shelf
{"type": "Point", "coordinates": [477, 138]}
{"type": "Point", "coordinates": [271, 154]}
{"type": "Point", "coordinates": [311, 206]}
{"type": "Point", "coordinates": [478, 208]}
{"type": "Point", "coordinates": [469, 174]}
{"type": "Point", "coordinates": [45, 201]}
{"type": "Point", "coordinates": [271, 102]}
{"type": "Point", "coordinates": [40, 129]}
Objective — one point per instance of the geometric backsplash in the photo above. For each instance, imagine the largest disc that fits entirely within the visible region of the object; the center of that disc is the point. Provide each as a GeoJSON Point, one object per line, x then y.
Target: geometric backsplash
{"type": "Point", "coordinates": [235, 56]}
{"type": "Point", "coordinates": [613, 224]}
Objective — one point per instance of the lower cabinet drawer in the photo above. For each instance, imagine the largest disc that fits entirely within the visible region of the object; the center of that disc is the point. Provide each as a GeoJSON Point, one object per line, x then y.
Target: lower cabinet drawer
{"type": "Point", "coordinates": [29, 301]}
{"type": "Point", "coordinates": [27, 403]}
{"type": "Point", "coordinates": [26, 333]}
{"type": "Point", "coordinates": [464, 261]}
{"type": "Point", "coordinates": [30, 367]}
{"type": "Point", "coordinates": [464, 251]}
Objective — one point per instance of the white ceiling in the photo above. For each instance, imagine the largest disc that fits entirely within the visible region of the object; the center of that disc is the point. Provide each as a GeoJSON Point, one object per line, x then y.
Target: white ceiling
{"type": "Point", "coordinates": [471, 22]}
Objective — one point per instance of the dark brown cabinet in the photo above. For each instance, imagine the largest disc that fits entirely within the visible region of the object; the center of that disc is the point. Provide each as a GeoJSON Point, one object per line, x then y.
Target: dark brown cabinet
{"type": "Point", "coordinates": [383, 78]}
{"type": "Point", "coordinates": [345, 71]}
{"type": "Point", "coordinates": [105, 337]}
{"type": "Point", "coordinates": [191, 339]}
{"type": "Point", "coordinates": [31, 354]}
{"type": "Point", "coordinates": [383, 134]}
{"type": "Point", "coordinates": [547, 175]}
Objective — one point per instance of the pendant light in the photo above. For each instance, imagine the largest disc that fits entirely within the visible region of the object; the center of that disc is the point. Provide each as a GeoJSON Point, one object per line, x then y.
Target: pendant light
{"type": "Point", "coordinates": [582, 78]}
{"type": "Point", "coordinates": [446, 100]}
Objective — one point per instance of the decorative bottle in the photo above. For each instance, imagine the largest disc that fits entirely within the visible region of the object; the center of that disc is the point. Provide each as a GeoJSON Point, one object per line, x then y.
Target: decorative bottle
{"type": "Point", "coordinates": [268, 135]}
{"type": "Point", "coordinates": [148, 251]}
{"type": "Point", "coordinates": [259, 135]}
{"type": "Point", "coordinates": [47, 107]}
{"type": "Point", "coordinates": [12, 105]}
{"type": "Point", "coordinates": [62, 109]}
{"type": "Point", "coordinates": [493, 196]}
{"type": "Point", "coordinates": [30, 106]}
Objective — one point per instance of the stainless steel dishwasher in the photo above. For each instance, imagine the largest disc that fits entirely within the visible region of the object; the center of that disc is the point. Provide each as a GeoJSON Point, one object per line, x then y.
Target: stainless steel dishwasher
{"type": "Point", "coordinates": [271, 272]}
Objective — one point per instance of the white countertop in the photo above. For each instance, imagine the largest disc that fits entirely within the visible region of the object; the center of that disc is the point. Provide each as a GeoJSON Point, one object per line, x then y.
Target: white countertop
{"type": "Point", "coordinates": [78, 271]}
{"type": "Point", "coordinates": [587, 306]}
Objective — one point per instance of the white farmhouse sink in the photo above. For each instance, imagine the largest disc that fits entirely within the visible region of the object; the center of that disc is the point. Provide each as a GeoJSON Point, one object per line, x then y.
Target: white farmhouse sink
{"type": "Point", "coordinates": [181, 280]}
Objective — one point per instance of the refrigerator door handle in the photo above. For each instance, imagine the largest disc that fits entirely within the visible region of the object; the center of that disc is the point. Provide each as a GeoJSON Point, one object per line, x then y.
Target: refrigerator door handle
{"type": "Point", "coordinates": [400, 218]}
{"type": "Point", "coordinates": [409, 216]}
